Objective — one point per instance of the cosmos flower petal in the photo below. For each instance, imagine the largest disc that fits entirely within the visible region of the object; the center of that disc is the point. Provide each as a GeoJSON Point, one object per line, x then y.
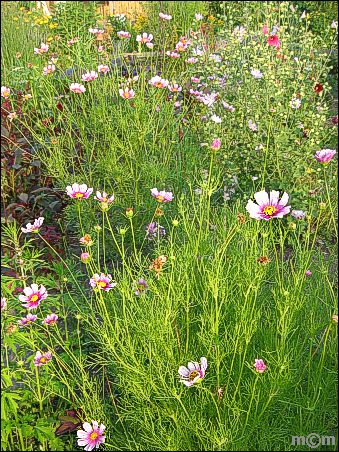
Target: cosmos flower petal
{"type": "Point", "coordinates": [262, 198]}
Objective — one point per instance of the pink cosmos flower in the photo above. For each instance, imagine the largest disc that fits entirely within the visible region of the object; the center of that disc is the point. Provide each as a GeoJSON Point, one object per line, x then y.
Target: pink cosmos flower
{"type": "Point", "coordinates": [30, 318]}
{"type": "Point", "coordinates": [264, 29]}
{"type": "Point", "coordinates": [77, 88]}
{"type": "Point", "coordinates": [216, 144]}
{"type": "Point", "coordinates": [42, 359]}
{"type": "Point", "coordinates": [228, 107]}
{"type": "Point", "coordinates": [195, 80]}
{"type": "Point", "coordinates": [35, 227]}
{"type": "Point", "coordinates": [104, 197]}
{"type": "Point", "coordinates": [12, 116]}
{"type": "Point", "coordinates": [175, 88]}
{"type": "Point", "coordinates": [268, 207]}
{"type": "Point", "coordinates": [126, 93]}
{"type": "Point", "coordinates": [259, 365]}
{"type": "Point", "coordinates": [158, 82]}
{"type": "Point", "coordinates": [252, 125]}
{"type": "Point", "coordinates": [3, 304]}
{"type": "Point", "coordinates": [86, 240]}
{"type": "Point", "coordinates": [33, 296]}
{"type": "Point", "coordinates": [191, 60]}
{"type": "Point", "coordinates": [103, 68]}
{"type": "Point", "coordinates": [43, 49]}
{"type": "Point", "coordinates": [85, 257]}
{"type": "Point", "coordinates": [173, 54]}
{"type": "Point", "coordinates": [298, 214]}
{"type": "Point", "coordinates": [79, 191]}
{"type": "Point", "coordinates": [51, 319]}
{"type": "Point", "coordinates": [48, 69]}
{"type": "Point", "coordinates": [325, 155]}
{"type": "Point", "coordinates": [5, 92]}
{"type": "Point", "coordinates": [145, 39]}
{"type": "Point", "coordinates": [96, 31]}
{"type": "Point", "coordinates": [100, 48]}
{"type": "Point", "coordinates": [89, 76]}
{"type": "Point", "coordinates": [91, 436]}
{"type": "Point", "coordinates": [198, 16]}
{"type": "Point", "coordinates": [193, 373]}
{"type": "Point", "coordinates": [273, 40]}
{"type": "Point", "coordinates": [165, 16]}
{"type": "Point", "coordinates": [72, 41]}
{"type": "Point", "coordinates": [123, 34]}
{"type": "Point", "coordinates": [181, 46]}
{"type": "Point", "coordinates": [102, 282]}
{"type": "Point", "coordinates": [308, 273]}
{"type": "Point", "coordinates": [141, 286]}
{"type": "Point", "coordinates": [161, 196]}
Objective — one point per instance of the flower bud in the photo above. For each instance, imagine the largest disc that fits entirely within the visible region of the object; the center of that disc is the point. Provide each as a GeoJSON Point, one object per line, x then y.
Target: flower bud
{"type": "Point", "coordinates": [122, 231]}
{"type": "Point", "coordinates": [175, 223]}
{"type": "Point", "coordinates": [129, 212]}
{"type": "Point", "coordinates": [85, 257]}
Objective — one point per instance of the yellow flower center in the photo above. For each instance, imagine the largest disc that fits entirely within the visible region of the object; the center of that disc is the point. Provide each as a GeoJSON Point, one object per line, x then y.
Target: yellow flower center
{"type": "Point", "coordinates": [79, 195]}
{"type": "Point", "coordinates": [269, 210]}
{"type": "Point", "coordinates": [101, 284]}
{"type": "Point", "coordinates": [93, 435]}
{"type": "Point", "coordinates": [160, 198]}
{"type": "Point", "coordinates": [6, 93]}
{"type": "Point", "coordinates": [193, 375]}
{"type": "Point", "coordinates": [158, 84]}
{"type": "Point", "coordinates": [34, 298]}
{"type": "Point", "coordinates": [43, 360]}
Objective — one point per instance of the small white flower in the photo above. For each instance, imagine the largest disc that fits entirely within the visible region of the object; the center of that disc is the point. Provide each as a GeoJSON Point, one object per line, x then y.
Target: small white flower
{"type": "Point", "coordinates": [216, 119]}
{"type": "Point", "coordinates": [256, 73]}
{"type": "Point", "coordinates": [295, 103]}
{"type": "Point", "coordinates": [252, 125]}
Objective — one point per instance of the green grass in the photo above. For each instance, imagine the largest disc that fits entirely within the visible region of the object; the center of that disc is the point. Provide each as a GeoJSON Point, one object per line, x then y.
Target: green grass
{"type": "Point", "coordinates": [116, 355]}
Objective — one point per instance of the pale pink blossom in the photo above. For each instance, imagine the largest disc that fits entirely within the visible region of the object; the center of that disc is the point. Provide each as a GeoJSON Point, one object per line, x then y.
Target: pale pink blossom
{"type": "Point", "coordinates": [158, 82]}
{"type": "Point", "coordinates": [264, 29]}
{"type": "Point", "coordinates": [165, 16]}
{"type": "Point", "coordinates": [42, 359]}
{"type": "Point", "coordinates": [198, 16]}
{"type": "Point", "coordinates": [43, 49]}
{"type": "Point", "coordinates": [3, 304]}
{"type": "Point", "coordinates": [33, 295]}
{"type": "Point", "coordinates": [175, 88]}
{"type": "Point", "coordinates": [195, 80]}
{"type": "Point", "coordinates": [72, 41]}
{"type": "Point", "coordinates": [85, 257]}
{"type": "Point", "coordinates": [30, 318]}
{"type": "Point", "coordinates": [12, 116]}
{"type": "Point", "coordinates": [259, 365]}
{"type": "Point", "coordinates": [161, 196]}
{"type": "Point", "coordinates": [102, 282]}
{"type": "Point", "coordinates": [173, 54]}
{"type": "Point", "coordinates": [35, 227]}
{"type": "Point", "coordinates": [77, 88]}
{"type": "Point", "coordinates": [268, 206]}
{"type": "Point", "coordinates": [123, 34]}
{"type": "Point", "coordinates": [89, 76]}
{"type": "Point", "coordinates": [308, 273]}
{"type": "Point", "coordinates": [191, 60]}
{"type": "Point", "coordinates": [145, 39]}
{"type": "Point", "coordinates": [5, 92]}
{"type": "Point", "coordinates": [103, 68]}
{"type": "Point", "coordinates": [96, 31]}
{"type": "Point", "coordinates": [79, 191]}
{"type": "Point", "coordinates": [325, 155]}
{"type": "Point", "coordinates": [104, 197]}
{"type": "Point", "coordinates": [100, 49]}
{"type": "Point", "coordinates": [91, 436]}
{"type": "Point", "coordinates": [126, 93]}
{"type": "Point", "coordinates": [193, 373]}
{"type": "Point", "coordinates": [50, 319]}
{"type": "Point", "coordinates": [48, 69]}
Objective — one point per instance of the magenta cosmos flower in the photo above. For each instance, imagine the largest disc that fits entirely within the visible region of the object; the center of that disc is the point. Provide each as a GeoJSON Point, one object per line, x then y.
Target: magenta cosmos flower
{"type": "Point", "coordinates": [325, 155]}
{"type": "Point", "coordinates": [268, 207]}
{"type": "Point", "coordinates": [193, 373]}
{"type": "Point", "coordinates": [33, 296]}
{"type": "Point", "coordinates": [51, 319]}
{"type": "Point", "coordinates": [264, 29]}
{"type": "Point", "coordinates": [162, 196]}
{"type": "Point", "coordinates": [35, 227]}
{"type": "Point", "coordinates": [158, 82]}
{"type": "Point", "coordinates": [260, 366]}
{"type": "Point", "coordinates": [123, 34]}
{"type": "Point", "coordinates": [30, 318]}
{"type": "Point", "coordinates": [5, 92]}
{"type": "Point", "coordinates": [89, 76]}
{"type": "Point", "coordinates": [91, 436]}
{"type": "Point", "coordinates": [41, 359]}
{"type": "Point", "coordinates": [216, 144]}
{"type": "Point", "coordinates": [103, 68]}
{"type": "Point", "coordinates": [102, 282]}
{"type": "Point", "coordinates": [273, 40]}
{"type": "Point", "coordinates": [77, 88]}
{"type": "Point", "coordinates": [126, 93]}
{"type": "Point", "coordinates": [79, 191]}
